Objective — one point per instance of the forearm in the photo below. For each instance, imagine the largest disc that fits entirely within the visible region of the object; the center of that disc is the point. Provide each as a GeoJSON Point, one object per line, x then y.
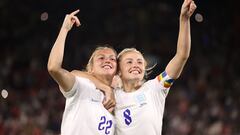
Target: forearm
{"type": "Point", "coordinates": [175, 66]}
{"type": "Point", "coordinates": [57, 52]}
{"type": "Point", "coordinates": [184, 39]}
{"type": "Point", "coordinates": [109, 100]}
{"type": "Point", "coordinates": [64, 78]}
{"type": "Point", "coordinates": [100, 85]}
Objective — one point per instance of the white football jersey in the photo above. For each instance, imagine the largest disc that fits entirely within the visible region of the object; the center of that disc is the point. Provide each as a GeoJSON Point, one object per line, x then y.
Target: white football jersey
{"type": "Point", "coordinates": [141, 112]}
{"type": "Point", "coordinates": [84, 113]}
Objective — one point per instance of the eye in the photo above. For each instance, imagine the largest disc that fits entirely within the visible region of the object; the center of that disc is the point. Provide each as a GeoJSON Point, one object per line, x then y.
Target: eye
{"type": "Point", "coordinates": [101, 58]}
{"type": "Point", "coordinates": [112, 59]}
{"type": "Point", "coordinates": [140, 62]}
{"type": "Point", "coordinates": [129, 62]}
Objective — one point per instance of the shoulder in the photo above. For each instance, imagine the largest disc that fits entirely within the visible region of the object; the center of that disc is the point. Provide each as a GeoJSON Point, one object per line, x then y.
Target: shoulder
{"type": "Point", "coordinates": [77, 72]}
{"type": "Point", "coordinates": [84, 81]}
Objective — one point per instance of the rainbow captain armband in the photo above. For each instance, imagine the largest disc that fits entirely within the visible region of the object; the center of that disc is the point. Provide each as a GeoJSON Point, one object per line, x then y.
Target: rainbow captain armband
{"type": "Point", "coordinates": [165, 80]}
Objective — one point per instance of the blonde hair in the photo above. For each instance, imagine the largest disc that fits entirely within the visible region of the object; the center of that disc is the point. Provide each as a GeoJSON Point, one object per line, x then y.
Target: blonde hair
{"type": "Point", "coordinates": [90, 61]}
{"type": "Point", "coordinates": [127, 50]}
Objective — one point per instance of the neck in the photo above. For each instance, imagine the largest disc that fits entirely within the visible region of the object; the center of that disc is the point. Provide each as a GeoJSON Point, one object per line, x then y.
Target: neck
{"type": "Point", "coordinates": [104, 79]}
{"type": "Point", "coordinates": [131, 86]}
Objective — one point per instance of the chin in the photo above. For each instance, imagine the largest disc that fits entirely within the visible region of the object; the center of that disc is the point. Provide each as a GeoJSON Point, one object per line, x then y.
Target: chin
{"type": "Point", "coordinates": [108, 73]}
{"type": "Point", "coordinates": [135, 78]}
{"type": "Point", "coordinates": [138, 76]}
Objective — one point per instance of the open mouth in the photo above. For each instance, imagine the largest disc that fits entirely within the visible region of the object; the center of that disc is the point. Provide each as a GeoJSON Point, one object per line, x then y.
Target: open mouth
{"type": "Point", "coordinates": [107, 66]}
{"type": "Point", "coordinates": [135, 71]}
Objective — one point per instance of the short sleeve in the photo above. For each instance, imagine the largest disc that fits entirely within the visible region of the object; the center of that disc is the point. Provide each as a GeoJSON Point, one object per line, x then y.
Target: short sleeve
{"type": "Point", "coordinates": [71, 92]}
{"type": "Point", "coordinates": [161, 84]}
{"type": "Point", "coordinates": [82, 88]}
{"type": "Point", "coordinates": [165, 80]}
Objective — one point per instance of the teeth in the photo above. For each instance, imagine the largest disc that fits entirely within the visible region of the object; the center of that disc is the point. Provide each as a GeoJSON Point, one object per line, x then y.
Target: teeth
{"type": "Point", "coordinates": [135, 72]}
{"type": "Point", "coordinates": [107, 67]}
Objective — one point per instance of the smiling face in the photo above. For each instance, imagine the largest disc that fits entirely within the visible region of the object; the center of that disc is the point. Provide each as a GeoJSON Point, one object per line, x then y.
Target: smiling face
{"type": "Point", "coordinates": [103, 62]}
{"type": "Point", "coordinates": [131, 66]}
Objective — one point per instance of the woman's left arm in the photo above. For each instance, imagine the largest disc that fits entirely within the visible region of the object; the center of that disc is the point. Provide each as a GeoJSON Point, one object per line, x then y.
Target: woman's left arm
{"type": "Point", "coordinates": [175, 66]}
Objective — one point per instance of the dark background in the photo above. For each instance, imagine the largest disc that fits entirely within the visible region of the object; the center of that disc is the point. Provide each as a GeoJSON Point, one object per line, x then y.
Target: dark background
{"type": "Point", "coordinates": [203, 101]}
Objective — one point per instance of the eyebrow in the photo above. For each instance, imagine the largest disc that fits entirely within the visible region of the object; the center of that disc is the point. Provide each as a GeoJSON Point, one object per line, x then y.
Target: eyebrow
{"type": "Point", "coordinates": [105, 55]}
{"type": "Point", "coordinates": [139, 59]}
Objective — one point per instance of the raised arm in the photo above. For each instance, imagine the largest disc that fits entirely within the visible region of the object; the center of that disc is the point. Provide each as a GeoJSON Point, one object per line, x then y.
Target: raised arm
{"type": "Point", "coordinates": [63, 77]}
{"type": "Point", "coordinates": [175, 66]}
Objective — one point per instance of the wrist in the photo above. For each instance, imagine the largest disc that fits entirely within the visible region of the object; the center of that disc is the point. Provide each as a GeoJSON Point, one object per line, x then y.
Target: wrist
{"type": "Point", "coordinates": [184, 18]}
{"type": "Point", "coordinates": [108, 90]}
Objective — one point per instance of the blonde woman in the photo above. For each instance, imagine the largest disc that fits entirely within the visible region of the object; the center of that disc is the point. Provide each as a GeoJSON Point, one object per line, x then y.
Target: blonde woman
{"type": "Point", "coordinates": [86, 107]}
{"type": "Point", "coordinates": [140, 105]}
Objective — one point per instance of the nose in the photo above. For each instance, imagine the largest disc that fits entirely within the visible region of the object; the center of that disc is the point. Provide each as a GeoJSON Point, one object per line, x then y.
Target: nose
{"type": "Point", "coordinates": [135, 64]}
{"type": "Point", "coordinates": [107, 60]}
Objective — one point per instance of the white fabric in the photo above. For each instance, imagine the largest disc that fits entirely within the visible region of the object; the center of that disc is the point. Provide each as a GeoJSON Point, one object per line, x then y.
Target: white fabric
{"type": "Point", "coordinates": [142, 109]}
{"type": "Point", "coordinates": [84, 113]}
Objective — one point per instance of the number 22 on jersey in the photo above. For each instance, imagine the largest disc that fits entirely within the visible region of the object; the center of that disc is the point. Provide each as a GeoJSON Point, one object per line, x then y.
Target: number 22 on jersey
{"type": "Point", "coordinates": [105, 125]}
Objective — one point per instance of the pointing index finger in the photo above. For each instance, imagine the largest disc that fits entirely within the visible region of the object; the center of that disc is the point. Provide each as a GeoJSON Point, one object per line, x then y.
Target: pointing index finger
{"type": "Point", "coordinates": [75, 12]}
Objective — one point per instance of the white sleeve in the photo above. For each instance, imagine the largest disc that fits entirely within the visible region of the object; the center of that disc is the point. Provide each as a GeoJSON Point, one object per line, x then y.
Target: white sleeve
{"type": "Point", "coordinates": [80, 87]}
{"type": "Point", "coordinates": [71, 92]}
{"type": "Point", "coordinates": [165, 80]}
{"type": "Point", "coordinates": [161, 83]}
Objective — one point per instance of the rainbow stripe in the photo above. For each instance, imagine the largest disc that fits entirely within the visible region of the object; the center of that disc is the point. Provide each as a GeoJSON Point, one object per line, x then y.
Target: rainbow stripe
{"type": "Point", "coordinates": [167, 82]}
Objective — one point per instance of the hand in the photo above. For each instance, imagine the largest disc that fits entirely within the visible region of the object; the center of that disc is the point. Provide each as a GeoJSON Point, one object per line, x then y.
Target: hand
{"type": "Point", "coordinates": [71, 19]}
{"type": "Point", "coordinates": [188, 7]}
{"type": "Point", "coordinates": [109, 100]}
{"type": "Point", "coordinates": [116, 82]}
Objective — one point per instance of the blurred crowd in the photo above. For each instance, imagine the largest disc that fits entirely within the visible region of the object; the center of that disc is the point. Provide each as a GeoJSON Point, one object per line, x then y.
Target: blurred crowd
{"type": "Point", "coordinates": [203, 101]}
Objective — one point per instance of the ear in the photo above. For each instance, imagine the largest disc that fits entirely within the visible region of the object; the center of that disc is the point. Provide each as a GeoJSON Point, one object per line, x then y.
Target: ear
{"type": "Point", "coordinates": [90, 70]}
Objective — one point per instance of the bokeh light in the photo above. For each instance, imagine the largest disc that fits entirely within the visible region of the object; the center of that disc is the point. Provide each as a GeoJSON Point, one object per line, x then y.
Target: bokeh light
{"type": "Point", "coordinates": [44, 16]}
{"type": "Point", "coordinates": [4, 93]}
{"type": "Point", "coordinates": [199, 17]}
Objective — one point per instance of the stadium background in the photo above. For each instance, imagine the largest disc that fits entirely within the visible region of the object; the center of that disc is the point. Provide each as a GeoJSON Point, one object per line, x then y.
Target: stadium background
{"type": "Point", "coordinates": [204, 101]}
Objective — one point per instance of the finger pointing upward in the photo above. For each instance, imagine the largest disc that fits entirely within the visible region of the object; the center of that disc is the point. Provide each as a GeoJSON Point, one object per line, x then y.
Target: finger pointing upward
{"type": "Point", "coordinates": [74, 18]}
{"type": "Point", "coordinates": [75, 12]}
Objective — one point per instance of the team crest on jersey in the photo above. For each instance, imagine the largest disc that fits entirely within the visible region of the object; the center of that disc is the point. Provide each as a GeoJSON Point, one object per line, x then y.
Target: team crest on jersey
{"type": "Point", "coordinates": [141, 99]}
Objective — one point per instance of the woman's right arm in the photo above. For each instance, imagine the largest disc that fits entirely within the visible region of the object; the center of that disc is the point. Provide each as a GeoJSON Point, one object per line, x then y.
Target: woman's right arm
{"type": "Point", "coordinates": [63, 77]}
